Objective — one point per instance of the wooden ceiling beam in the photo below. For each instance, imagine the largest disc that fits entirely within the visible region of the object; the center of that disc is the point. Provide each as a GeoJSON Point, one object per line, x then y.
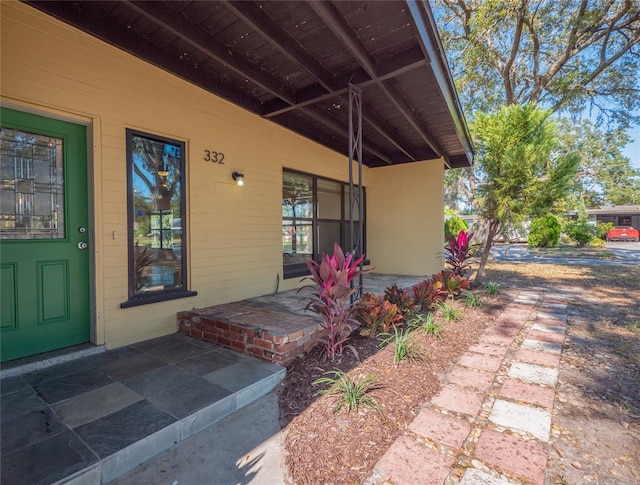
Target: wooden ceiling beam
{"type": "Point", "coordinates": [329, 15]}
{"type": "Point", "coordinates": [270, 31]}
{"type": "Point", "coordinates": [202, 41]}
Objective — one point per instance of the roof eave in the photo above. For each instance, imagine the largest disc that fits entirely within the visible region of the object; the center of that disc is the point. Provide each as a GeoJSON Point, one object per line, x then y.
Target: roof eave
{"type": "Point", "coordinates": [430, 42]}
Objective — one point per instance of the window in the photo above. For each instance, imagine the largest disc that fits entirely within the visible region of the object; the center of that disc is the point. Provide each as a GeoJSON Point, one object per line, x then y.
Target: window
{"type": "Point", "coordinates": [315, 215]}
{"type": "Point", "coordinates": [156, 208]}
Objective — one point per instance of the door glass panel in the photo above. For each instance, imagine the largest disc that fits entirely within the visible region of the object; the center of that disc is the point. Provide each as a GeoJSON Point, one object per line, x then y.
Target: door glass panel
{"type": "Point", "coordinates": [31, 186]}
{"type": "Point", "coordinates": [156, 172]}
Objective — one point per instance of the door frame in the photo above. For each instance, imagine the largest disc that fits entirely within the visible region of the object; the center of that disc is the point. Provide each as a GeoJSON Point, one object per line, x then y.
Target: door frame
{"type": "Point", "coordinates": [92, 130]}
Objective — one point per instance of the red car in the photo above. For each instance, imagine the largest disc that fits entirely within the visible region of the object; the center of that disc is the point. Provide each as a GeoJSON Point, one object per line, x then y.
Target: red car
{"type": "Point", "coordinates": [623, 233]}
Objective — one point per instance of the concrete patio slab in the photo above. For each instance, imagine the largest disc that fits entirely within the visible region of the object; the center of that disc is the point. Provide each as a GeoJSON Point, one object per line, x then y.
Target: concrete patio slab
{"type": "Point", "coordinates": [473, 476]}
{"type": "Point", "coordinates": [518, 417]}
{"type": "Point", "coordinates": [540, 327]}
{"type": "Point", "coordinates": [552, 347]}
{"type": "Point", "coordinates": [536, 374]}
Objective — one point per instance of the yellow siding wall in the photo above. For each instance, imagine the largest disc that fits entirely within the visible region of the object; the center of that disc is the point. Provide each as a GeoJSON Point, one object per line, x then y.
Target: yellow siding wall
{"type": "Point", "coordinates": [405, 221]}
{"type": "Point", "coordinates": [234, 233]}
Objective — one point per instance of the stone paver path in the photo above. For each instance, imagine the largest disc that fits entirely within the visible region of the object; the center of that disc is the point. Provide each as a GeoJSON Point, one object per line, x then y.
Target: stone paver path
{"type": "Point", "coordinates": [491, 421]}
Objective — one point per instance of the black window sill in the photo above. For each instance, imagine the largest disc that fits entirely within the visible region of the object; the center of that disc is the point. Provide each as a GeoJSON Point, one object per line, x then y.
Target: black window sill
{"type": "Point", "coordinates": [146, 299]}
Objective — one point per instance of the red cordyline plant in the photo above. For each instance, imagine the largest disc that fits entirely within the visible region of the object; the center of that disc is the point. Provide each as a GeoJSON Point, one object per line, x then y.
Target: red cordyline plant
{"type": "Point", "coordinates": [456, 254]}
{"type": "Point", "coordinates": [331, 300]}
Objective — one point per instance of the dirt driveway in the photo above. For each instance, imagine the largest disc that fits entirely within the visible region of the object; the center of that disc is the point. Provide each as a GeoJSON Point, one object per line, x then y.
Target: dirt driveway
{"type": "Point", "coordinates": [596, 419]}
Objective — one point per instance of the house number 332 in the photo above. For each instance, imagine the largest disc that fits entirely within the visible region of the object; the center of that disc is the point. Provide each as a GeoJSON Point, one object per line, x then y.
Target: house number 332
{"type": "Point", "coordinates": [214, 157]}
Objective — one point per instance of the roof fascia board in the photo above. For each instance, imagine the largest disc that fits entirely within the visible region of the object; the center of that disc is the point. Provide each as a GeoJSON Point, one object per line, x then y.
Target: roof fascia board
{"type": "Point", "coordinates": [428, 34]}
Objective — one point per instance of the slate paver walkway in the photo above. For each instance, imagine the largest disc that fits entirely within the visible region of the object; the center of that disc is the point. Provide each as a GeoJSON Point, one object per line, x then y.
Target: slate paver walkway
{"type": "Point", "coordinates": [491, 421]}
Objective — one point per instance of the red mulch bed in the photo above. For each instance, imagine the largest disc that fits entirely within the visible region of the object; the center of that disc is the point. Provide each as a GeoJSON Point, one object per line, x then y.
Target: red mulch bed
{"type": "Point", "coordinates": [323, 446]}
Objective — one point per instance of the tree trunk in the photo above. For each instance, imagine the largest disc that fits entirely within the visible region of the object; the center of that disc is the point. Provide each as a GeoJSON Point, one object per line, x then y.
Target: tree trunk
{"type": "Point", "coordinates": [492, 233]}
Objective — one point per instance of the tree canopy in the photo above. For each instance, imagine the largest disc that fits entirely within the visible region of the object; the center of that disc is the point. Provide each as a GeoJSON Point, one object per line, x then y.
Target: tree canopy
{"type": "Point", "coordinates": [605, 176]}
{"type": "Point", "coordinates": [575, 58]}
{"type": "Point", "coordinates": [522, 175]}
{"type": "Point", "coordinates": [564, 55]}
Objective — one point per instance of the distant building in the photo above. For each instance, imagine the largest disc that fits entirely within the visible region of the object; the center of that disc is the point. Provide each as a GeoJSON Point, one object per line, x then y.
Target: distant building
{"type": "Point", "coordinates": [618, 215]}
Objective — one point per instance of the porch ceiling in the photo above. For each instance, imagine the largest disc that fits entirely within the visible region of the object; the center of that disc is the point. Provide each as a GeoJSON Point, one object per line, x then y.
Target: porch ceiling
{"type": "Point", "coordinates": [292, 61]}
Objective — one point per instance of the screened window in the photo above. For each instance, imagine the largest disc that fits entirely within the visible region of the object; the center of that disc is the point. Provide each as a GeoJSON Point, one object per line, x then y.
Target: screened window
{"type": "Point", "coordinates": [315, 215]}
{"type": "Point", "coordinates": [156, 208]}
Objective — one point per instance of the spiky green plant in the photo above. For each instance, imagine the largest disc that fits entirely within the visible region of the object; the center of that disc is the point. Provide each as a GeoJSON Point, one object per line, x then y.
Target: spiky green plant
{"type": "Point", "coordinates": [472, 301]}
{"type": "Point", "coordinates": [449, 312]}
{"type": "Point", "coordinates": [404, 346]}
{"type": "Point", "coordinates": [351, 393]}
{"type": "Point", "coordinates": [491, 288]}
{"type": "Point", "coordinates": [425, 322]}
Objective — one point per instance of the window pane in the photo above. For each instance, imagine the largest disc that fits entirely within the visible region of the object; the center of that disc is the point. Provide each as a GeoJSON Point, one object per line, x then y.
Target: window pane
{"type": "Point", "coordinates": [297, 195]}
{"type": "Point", "coordinates": [156, 173]}
{"type": "Point", "coordinates": [329, 194]}
{"type": "Point", "coordinates": [31, 186]}
{"type": "Point", "coordinates": [297, 242]}
{"type": "Point", "coordinates": [328, 234]}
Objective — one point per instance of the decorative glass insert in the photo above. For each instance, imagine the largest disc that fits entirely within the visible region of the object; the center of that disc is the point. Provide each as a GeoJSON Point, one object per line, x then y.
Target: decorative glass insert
{"type": "Point", "coordinates": [31, 186]}
{"type": "Point", "coordinates": [156, 206]}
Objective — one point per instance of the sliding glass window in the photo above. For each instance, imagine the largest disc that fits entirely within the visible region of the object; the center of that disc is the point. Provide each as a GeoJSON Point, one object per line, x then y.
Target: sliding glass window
{"type": "Point", "coordinates": [315, 215]}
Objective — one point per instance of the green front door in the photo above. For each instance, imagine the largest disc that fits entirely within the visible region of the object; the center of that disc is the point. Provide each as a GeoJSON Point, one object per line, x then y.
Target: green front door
{"type": "Point", "coordinates": [44, 253]}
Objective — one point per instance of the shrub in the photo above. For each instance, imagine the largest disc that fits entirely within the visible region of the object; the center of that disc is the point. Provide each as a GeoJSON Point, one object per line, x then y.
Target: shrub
{"type": "Point", "coordinates": [400, 297]}
{"type": "Point", "coordinates": [472, 301]}
{"type": "Point", "coordinates": [331, 300]}
{"type": "Point", "coordinates": [602, 228]}
{"type": "Point", "coordinates": [449, 312]}
{"type": "Point", "coordinates": [491, 288]}
{"type": "Point", "coordinates": [453, 226]}
{"type": "Point", "coordinates": [456, 254]}
{"type": "Point", "coordinates": [426, 295]}
{"type": "Point", "coordinates": [405, 348]}
{"type": "Point", "coordinates": [580, 231]}
{"type": "Point", "coordinates": [351, 393]}
{"type": "Point", "coordinates": [544, 231]}
{"type": "Point", "coordinates": [450, 283]}
{"type": "Point", "coordinates": [427, 323]}
{"type": "Point", "coordinates": [377, 315]}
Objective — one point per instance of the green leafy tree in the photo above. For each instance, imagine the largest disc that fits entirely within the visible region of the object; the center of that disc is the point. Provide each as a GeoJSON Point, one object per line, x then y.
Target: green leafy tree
{"type": "Point", "coordinates": [605, 176]}
{"type": "Point", "coordinates": [566, 56]}
{"type": "Point", "coordinates": [521, 179]}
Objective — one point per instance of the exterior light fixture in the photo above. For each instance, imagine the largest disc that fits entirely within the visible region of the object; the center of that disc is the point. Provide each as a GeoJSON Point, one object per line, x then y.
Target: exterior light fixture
{"type": "Point", "coordinates": [239, 178]}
